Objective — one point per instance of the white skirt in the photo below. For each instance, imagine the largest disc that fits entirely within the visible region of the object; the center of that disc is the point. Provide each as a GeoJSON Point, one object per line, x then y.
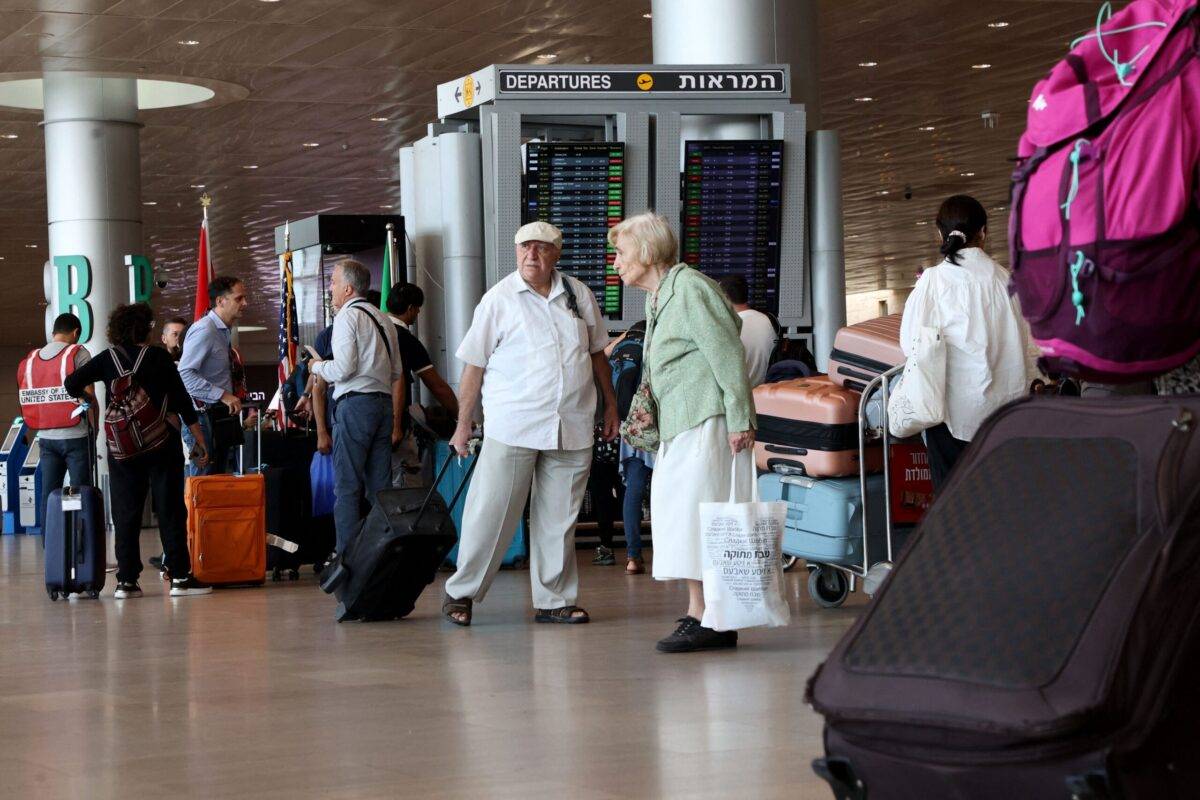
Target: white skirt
{"type": "Point", "coordinates": [691, 469]}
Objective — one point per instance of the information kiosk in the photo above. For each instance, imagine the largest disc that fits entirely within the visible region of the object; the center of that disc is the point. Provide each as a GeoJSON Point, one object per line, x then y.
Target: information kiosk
{"type": "Point", "coordinates": [12, 455]}
{"type": "Point", "coordinates": [30, 486]}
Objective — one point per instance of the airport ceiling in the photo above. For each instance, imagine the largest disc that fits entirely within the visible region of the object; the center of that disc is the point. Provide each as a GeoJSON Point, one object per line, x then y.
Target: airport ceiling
{"type": "Point", "coordinates": [358, 78]}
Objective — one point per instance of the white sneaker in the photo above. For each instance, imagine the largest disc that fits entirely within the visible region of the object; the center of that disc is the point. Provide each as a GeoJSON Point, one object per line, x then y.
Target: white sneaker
{"type": "Point", "coordinates": [186, 587]}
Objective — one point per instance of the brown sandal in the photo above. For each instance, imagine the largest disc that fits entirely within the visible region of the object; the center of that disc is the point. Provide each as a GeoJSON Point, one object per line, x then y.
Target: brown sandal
{"type": "Point", "coordinates": [567, 615]}
{"type": "Point", "coordinates": [452, 606]}
{"type": "Point", "coordinates": [635, 566]}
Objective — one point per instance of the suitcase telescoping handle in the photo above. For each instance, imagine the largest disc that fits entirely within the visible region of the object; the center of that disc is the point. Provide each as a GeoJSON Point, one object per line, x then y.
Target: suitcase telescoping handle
{"type": "Point", "coordinates": [462, 485]}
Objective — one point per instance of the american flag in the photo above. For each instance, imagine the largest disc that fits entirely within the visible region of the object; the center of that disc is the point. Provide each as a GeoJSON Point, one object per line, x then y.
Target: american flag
{"type": "Point", "coordinates": [289, 337]}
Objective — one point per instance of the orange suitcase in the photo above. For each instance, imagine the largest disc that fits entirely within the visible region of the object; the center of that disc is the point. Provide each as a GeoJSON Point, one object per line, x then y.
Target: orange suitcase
{"type": "Point", "coordinates": [227, 528]}
{"type": "Point", "coordinates": [809, 426]}
{"type": "Point", "coordinates": [865, 351]}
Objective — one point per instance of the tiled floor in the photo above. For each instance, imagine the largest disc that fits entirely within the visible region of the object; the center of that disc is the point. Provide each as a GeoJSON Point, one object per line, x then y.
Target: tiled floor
{"type": "Point", "coordinates": [258, 693]}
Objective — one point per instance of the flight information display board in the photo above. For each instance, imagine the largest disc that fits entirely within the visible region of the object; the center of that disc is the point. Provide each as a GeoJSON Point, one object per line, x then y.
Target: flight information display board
{"type": "Point", "coordinates": [732, 197]}
{"type": "Point", "coordinates": [580, 188]}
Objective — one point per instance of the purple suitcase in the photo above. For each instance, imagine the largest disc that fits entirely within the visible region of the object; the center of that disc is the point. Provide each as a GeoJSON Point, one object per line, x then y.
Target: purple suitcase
{"type": "Point", "coordinates": [1040, 635]}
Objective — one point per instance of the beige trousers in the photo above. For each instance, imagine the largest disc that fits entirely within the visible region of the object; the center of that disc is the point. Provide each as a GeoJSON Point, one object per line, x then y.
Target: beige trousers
{"type": "Point", "coordinates": [499, 487]}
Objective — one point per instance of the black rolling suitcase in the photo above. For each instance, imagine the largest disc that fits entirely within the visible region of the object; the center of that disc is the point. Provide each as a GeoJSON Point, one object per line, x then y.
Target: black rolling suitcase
{"type": "Point", "coordinates": [404, 539]}
{"type": "Point", "coordinates": [1040, 635]}
{"type": "Point", "coordinates": [73, 535]}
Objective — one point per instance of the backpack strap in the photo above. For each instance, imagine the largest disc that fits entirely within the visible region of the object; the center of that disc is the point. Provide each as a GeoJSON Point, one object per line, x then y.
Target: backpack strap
{"type": "Point", "coordinates": [140, 356]}
{"type": "Point", "coordinates": [121, 371]}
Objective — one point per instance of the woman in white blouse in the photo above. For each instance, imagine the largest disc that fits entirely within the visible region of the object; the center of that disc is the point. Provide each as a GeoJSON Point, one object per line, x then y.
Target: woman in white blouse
{"type": "Point", "coordinates": [966, 298]}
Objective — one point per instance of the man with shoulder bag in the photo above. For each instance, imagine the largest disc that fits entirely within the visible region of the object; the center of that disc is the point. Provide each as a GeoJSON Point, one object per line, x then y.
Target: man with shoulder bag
{"type": "Point", "coordinates": [365, 365]}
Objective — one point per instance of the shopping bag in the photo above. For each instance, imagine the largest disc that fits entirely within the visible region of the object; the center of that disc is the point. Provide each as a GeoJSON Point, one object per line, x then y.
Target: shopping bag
{"type": "Point", "coordinates": [919, 401]}
{"type": "Point", "coordinates": [320, 474]}
{"type": "Point", "coordinates": [743, 571]}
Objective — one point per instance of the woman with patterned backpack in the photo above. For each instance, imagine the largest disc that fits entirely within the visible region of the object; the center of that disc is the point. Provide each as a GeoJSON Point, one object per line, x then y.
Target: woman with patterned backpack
{"type": "Point", "coordinates": [145, 396]}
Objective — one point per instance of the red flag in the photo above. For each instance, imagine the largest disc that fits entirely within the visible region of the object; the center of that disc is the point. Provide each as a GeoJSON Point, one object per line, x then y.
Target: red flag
{"type": "Point", "coordinates": [203, 270]}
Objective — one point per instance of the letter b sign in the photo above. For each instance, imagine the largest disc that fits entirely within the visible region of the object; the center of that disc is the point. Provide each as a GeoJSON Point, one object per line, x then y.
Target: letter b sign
{"type": "Point", "coordinates": [68, 285]}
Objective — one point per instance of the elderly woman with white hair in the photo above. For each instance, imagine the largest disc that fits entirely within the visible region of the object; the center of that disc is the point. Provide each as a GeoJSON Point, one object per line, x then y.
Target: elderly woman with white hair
{"type": "Point", "coordinates": [694, 364]}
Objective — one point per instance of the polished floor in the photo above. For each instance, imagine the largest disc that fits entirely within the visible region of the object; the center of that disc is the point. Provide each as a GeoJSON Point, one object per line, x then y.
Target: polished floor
{"type": "Point", "coordinates": [258, 693]}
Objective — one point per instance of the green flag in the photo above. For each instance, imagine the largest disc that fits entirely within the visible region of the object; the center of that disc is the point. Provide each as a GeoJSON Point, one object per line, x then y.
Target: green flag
{"type": "Point", "coordinates": [387, 273]}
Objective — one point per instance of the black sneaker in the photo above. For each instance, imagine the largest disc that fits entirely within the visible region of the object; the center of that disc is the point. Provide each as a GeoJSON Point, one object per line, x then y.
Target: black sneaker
{"type": "Point", "coordinates": [186, 587]}
{"type": "Point", "coordinates": [691, 635]}
{"type": "Point", "coordinates": [127, 589]}
{"type": "Point", "coordinates": [604, 557]}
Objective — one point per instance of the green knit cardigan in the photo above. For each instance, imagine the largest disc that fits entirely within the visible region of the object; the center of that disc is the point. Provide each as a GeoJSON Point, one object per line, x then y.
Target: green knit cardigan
{"type": "Point", "coordinates": [694, 358]}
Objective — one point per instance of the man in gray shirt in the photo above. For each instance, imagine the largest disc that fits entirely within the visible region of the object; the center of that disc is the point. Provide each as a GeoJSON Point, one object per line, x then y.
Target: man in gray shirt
{"type": "Point", "coordinates": [364, 367]}
{"type": "Point", "coordinates": [206, 367]}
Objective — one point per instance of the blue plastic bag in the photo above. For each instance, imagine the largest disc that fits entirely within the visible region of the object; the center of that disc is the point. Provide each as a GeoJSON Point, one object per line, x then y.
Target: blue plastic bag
{"type": "Point", "coordinates": [320, 473]}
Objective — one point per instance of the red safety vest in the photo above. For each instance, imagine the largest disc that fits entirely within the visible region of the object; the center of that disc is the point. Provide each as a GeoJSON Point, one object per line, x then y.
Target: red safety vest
{"type": "Point", "coordinates": [44, 402]}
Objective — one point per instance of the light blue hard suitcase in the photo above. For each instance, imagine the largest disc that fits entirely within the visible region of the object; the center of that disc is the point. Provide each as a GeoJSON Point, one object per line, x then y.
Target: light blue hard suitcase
{"type": "Point", "coordinates": [518, 550]}
{"type": "Point", "coordinates": [824, 521]}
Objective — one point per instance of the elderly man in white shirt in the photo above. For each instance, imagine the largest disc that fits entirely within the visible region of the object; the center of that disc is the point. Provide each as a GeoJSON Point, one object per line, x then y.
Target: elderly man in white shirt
{"type": "Point", "coordinates": [535, 351]}
{"type": "Point", "coordinates": [365, 364]}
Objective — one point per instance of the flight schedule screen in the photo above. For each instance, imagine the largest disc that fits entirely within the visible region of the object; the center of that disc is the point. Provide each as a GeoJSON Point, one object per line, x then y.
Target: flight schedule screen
{"type": "Point", "coordinates": [732, 196]}
{"type": "Point", "coordinates": [580, 188]}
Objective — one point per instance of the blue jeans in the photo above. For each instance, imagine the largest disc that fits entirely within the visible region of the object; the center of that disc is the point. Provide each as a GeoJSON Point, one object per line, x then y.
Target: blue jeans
{"type": "Point", "coordinates": [218, 463]}
{"type": "Point", "coordinates": [637, 477]}
{"type": "Point", "coordinates": [60, 456]}
{"type": "Point", "coordinates": [362, 458]}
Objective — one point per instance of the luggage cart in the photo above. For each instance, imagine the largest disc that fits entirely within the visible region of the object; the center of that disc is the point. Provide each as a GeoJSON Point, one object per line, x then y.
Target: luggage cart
{"type": "Point", "coordinates": [830, 584]}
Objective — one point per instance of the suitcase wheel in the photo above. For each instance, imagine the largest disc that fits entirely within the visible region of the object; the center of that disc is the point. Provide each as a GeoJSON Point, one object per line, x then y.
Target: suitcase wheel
{"type": "Point", "coordinates": [839, 774]}
{"type": "Point", "coordinates": [53, 595]}
{"type": "Point", "coordinates": [293, 574]}
{"type": "Point", "coordinates": [94, 594]}
{"type": "Point", "coordinates": [334, 576]}
{"type": "Point", "coordinates": [276, 575]}
{"type": "Point", "coordinates": [827, 586]}
{"type": "Point", "coordinates": [789, 562]}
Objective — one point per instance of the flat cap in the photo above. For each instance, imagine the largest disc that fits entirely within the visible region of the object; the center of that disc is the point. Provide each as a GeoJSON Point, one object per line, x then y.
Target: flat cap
{"type": "Point", "coordinates": [539, 232]}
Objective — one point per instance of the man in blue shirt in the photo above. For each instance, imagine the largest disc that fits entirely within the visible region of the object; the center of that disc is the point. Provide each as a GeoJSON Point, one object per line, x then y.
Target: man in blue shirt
{"type": "Point", "coordinates": [206, 368]}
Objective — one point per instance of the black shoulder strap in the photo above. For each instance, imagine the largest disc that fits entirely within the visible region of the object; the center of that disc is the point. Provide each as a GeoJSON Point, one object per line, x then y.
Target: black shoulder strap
{"type": "Point", "coordinates": [386, 345]}
{"type": "Point", "coordinates": [572, 301]}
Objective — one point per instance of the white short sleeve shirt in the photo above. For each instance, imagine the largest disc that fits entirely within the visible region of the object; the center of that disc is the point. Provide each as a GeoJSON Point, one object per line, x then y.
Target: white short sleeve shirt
{"type": "Point", "coordinates": [538, 387]}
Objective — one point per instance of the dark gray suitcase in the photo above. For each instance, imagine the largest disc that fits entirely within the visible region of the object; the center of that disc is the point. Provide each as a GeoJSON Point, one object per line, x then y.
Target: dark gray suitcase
{"type": "Point", "coordinates": [1040, 635]}
{"type": "Point", "coordinates": [396, 554]}
{"type": "Point", "coordinates": [74, 537]}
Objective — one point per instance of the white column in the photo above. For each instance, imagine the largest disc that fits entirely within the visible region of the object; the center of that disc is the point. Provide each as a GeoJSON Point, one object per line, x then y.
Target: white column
{"type": "Point", "coordinates": [739, 32]}
{"type": "Point", "coordinates": [93, 199]}
{"type": "Point", "coordinates": [93, 184]}
{"type": "Point", "coordinates": [826, 249]}
{"type": "Point", "coordinates": [462, 239]}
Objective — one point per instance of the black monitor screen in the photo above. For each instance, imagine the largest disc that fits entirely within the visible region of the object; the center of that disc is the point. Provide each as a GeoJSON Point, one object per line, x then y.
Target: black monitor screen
{"type": "Point", "coordinates": [732, 195]}
{"type": "Point", "coordinates": [580, 188]}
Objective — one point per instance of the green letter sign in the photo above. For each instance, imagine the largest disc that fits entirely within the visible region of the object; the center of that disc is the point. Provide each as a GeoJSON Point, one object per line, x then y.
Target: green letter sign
{"type": "Point", "coordinates": [141, 278]}
{"type": "Point", "coordinates": [75, 299]}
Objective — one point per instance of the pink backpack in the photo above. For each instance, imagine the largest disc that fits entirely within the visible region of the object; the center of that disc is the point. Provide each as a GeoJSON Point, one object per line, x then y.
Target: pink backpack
{"type": "Point", "coordinates": [1105, 229]}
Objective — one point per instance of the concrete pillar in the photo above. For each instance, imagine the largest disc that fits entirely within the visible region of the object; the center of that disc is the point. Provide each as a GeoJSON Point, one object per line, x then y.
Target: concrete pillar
{"type": "Point", "coordinates": [462, 239]}
{"type": "Point", "coordinates": [739, 32]}
{"type": "Point", "coordinates": [826, 237]}
{"type": "Point", "coordinates": [93, 194]}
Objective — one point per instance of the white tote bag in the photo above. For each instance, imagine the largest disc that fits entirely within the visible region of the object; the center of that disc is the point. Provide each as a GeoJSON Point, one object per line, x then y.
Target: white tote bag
{"type": "Point", "coordinates": [743, 572]}
{"type": "Point", "coordinates": [919, 401]}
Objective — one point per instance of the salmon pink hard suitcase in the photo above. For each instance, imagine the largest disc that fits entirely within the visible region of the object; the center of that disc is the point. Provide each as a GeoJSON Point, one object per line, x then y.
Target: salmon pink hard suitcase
{"type": "Point", "coordinates": [863, 352]}
{"type": "Point", "coordinates": [227, 528]}
{"type": "Point", "coordinates": [809, 426]}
